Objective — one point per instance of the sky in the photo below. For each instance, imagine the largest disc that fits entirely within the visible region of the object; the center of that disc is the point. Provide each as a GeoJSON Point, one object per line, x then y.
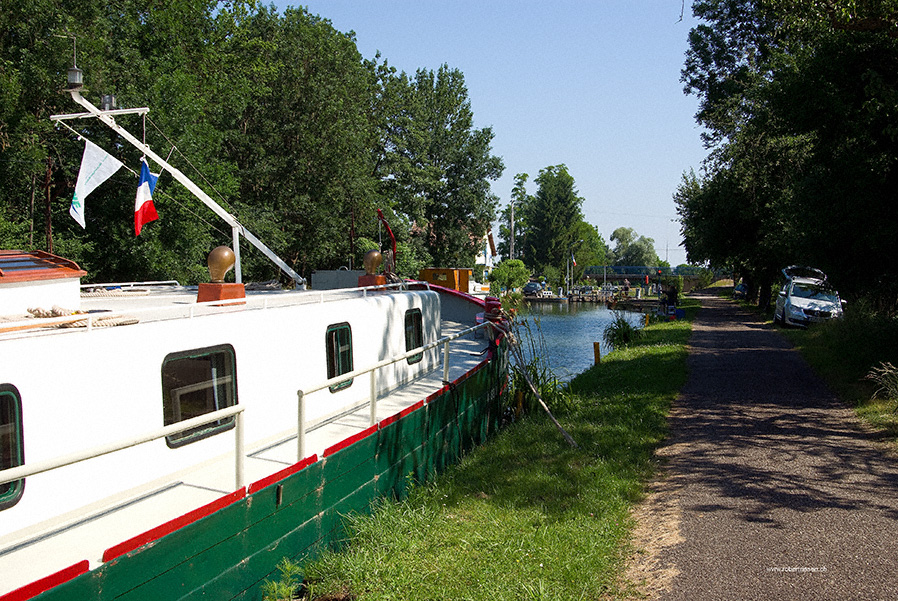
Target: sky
{"type": "Point", "coordinates": [591, 84]}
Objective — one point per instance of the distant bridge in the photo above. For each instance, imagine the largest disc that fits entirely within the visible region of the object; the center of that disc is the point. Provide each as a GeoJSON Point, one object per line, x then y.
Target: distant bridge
{"type": "Point", "coordinates": [639, 275]}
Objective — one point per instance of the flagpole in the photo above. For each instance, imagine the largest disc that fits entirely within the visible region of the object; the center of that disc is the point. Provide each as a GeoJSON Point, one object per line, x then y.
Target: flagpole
{"type": "Point", "coordinates": [236, 227]}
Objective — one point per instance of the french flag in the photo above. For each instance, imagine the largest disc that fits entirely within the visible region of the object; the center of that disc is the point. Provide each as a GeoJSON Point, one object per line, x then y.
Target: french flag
{"type": "Point", "coordinates": [144, 209]}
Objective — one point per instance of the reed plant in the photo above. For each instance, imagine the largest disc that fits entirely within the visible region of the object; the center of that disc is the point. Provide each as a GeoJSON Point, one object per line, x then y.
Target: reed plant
{"type": "Point", "coordinates": [621, 332]}
{"type": "Point", "coordinates": [526, 516]}
{"type": "Point", "coordinates": [534, 365]}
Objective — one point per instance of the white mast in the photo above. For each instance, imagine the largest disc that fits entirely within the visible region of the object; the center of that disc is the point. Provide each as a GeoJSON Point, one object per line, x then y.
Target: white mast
{"type": "Point", "coordinates": [236, 227]}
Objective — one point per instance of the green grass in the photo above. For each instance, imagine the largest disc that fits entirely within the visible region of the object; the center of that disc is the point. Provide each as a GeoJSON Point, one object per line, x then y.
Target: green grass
{"type": "Point", "coordinates": [526, 516]}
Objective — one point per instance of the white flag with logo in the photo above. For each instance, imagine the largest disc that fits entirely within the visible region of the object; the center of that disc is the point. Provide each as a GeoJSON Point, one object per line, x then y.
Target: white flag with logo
{"type": "Point", "coordinates": [97, 166]}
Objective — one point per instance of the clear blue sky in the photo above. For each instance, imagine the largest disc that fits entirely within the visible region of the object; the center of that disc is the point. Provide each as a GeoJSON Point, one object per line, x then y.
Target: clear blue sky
{"type": "Point", "coordinates": [593, 84]}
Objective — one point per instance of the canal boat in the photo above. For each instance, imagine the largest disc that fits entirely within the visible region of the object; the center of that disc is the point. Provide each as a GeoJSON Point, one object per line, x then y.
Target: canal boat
{"type": "Point", "coordinates": [160, 441]}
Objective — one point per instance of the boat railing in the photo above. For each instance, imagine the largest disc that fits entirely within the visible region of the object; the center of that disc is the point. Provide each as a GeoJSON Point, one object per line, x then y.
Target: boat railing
{"type": "Point", "coordinates": [372, 389]}
{"type": "Point", "coordinates": [89, 320]}
{"type": "Point", "coordinates": [33, 468]}
{"type": "Point", "coordinates": [130, 284]}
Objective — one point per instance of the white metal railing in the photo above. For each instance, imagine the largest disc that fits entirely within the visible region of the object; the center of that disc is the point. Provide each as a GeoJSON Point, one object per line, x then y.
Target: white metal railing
{"type": "Point", "coordinates": [191, 310]}
{"type": "Point", "coordinates": [372, 392]}
{"type": "Point", "coordinates": [30, 469]}
{"type": "Point", "coordinates": [131, 284]}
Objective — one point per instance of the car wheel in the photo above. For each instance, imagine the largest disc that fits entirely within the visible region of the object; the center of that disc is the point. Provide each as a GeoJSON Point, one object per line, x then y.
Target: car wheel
{"type": "Point", "coordinates": [780, 319]}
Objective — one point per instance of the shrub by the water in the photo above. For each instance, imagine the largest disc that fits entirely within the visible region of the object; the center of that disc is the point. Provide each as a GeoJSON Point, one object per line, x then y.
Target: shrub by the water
{"type": "Point", "coordinates": [620, 332]}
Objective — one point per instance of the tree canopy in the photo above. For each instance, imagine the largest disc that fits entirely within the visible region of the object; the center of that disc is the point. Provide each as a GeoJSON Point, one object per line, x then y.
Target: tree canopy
{"type": "Point", "coordinates": [632, 250]}
{"type": "Point", "coordinates": [798, 100]}
{"type": "Point", "coordinates": [289, 127]}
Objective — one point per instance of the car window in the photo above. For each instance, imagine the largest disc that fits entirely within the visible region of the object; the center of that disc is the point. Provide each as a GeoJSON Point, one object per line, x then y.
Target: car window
{"type": "Point", "coordinates": [815, 292]}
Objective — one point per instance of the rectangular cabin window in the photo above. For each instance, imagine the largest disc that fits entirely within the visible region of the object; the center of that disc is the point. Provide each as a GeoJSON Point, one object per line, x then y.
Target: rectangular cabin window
{"type": "Point", "coordinates": [197, 382]}
{"type": "Point", "coordinates": [12, 450]}
{"type": "Point", "coordinates": [338, 346]}
{"type": "Point", "coordinates": [414, 334]}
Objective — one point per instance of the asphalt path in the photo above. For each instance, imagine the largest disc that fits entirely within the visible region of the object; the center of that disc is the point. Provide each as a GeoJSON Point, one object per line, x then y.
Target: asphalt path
{"type": "Point", "coordinates": [779, 492]}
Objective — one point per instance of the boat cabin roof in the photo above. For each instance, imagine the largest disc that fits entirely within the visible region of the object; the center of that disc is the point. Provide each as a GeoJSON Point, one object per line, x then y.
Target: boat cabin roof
{"type": "Point", "coordinates": [35, 265]}
{"type": "Point", "coordinates": [103, 305]}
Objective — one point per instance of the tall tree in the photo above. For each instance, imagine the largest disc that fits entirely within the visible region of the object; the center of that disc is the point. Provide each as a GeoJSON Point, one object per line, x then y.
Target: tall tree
{"type": "Point", "coordinates": [551, 216]}
{"type": "Point", "coordinates": [512, 229]}
{"type": "Point", "coordinates": [633, 250]}
{"type": "Point", "coordinates": [439, 166]}
{"type": "Point", "coordinates": [304, 148]}
{"type": "Point", "coordinates": [797, 97]}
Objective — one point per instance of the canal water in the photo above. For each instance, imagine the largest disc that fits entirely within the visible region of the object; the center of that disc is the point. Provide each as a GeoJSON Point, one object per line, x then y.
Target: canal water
{"type": "Point", "coordinates": [567, 332]}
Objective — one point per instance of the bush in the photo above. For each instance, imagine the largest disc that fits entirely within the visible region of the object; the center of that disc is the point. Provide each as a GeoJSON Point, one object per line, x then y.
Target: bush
{"type": "Point", "coordinates": [509, 274]}
{"type": "Point", "coordinates": [620, 332]}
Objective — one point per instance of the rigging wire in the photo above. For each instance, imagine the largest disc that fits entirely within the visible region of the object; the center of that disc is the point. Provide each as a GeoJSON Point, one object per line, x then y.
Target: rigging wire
{"type": "Point", "coordinates": [163, 193]}
{"type": "Point", "coordinates": [198, 172]}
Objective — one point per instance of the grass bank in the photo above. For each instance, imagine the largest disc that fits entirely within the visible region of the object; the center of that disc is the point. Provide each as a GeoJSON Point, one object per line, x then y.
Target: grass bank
{"type": "Point", "coordinates": [526, 516]}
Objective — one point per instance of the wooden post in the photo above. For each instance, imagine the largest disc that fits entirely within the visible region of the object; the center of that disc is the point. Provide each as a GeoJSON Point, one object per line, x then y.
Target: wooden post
{"type": "Point", "coordinates": [597, 351]}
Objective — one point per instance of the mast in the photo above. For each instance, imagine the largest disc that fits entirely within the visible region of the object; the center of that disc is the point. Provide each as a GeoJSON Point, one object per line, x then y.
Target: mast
{"type": "Point", "coordinates": [236, 227]}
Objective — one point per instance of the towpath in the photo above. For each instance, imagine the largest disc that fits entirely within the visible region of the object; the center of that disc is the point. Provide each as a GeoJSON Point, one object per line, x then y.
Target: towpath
{"type": "Point", "coordinates": [771, 489]}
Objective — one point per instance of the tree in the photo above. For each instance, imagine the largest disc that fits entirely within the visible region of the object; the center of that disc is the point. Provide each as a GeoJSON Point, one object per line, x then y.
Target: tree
{"type": "Point", "coordinates": [551, 217]}
{"type": "Point", "coordinates": [512, 229]}
{"type": "Point", "coordinates": [592, 251]}
{"type": "Point", "coordinates": [311, 170]}
{"type": "Point", "coordinates": [797, 179]}
{"type": "Point", "coordinates": [293, 132]}
{"type": "Point", "coordinates": [630, 250]}
{"type": "Point", "coordinates": [437, 165]}
{"type": "Point", "coordinates": [509, 274]}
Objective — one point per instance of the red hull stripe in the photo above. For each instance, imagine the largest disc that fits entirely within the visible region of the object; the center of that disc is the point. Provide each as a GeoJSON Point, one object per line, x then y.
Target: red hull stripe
{"type": "Point", "coordinates": [277, 476]}
{"type": "Point", "coordinates": [387, 421]}
{"type": "Point", "coordinates": [175, 524]}
{"type": "Point", "coordinates": [44, 584]}
{"type": "Point", "coordinates": [470, 373]}
{"type": "Point", "coordinates": [397, 416]}
{"type": "Point", "coordinates": [410, 410]}
{"type": "Point", "coordinates": [431, 398]}
{"type": "Point", "coordinates": [349, 441]}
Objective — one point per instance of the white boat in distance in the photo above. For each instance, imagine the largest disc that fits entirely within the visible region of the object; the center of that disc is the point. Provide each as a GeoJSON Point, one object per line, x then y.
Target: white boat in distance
{"type": "Point", "coordinates": [157, 447]}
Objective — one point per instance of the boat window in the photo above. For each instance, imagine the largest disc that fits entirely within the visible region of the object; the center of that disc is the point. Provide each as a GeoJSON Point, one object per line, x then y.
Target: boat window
{"type": "Point", "coordinates": [197, 382]}
{"type": "Point", "coordinates": [338, 342]}
{"type": "Point", "coordinates": [12, 451]}
{"type": "Point", "coordinates": [414, 333]}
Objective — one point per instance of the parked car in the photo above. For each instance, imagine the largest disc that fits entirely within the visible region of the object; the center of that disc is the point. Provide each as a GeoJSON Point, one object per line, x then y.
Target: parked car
{"type": "Point", "coordinates": [532, 289]}
{"type": "Point", "coordinates": [806, 298]}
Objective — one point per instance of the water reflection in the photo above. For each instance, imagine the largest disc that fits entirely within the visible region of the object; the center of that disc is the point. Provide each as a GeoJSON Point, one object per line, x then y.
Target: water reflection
{"type": "Point", "coordinates": [569, 331]}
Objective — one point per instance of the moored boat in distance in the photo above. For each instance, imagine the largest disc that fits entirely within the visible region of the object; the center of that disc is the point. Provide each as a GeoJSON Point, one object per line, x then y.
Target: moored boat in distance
{"type": "Point", "coordinates": [156, 445]}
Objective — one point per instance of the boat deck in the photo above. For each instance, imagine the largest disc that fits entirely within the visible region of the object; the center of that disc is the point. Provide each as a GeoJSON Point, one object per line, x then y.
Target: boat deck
{"type": "Point", "coordinates": [38, 552]}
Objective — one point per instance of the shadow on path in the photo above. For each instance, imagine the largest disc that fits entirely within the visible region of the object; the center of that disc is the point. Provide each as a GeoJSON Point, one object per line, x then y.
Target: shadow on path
{"type": "Point", "coordinates": [782, 494]}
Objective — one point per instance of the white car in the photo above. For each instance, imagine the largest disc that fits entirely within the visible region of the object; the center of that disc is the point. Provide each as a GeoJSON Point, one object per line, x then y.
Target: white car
{"type": "Point", "coordinates": [806, 298]}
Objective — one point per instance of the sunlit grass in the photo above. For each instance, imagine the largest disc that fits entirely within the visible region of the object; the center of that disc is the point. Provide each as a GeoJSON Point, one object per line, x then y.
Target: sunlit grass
{"type": "Point", "coordinates": [526, 516]}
